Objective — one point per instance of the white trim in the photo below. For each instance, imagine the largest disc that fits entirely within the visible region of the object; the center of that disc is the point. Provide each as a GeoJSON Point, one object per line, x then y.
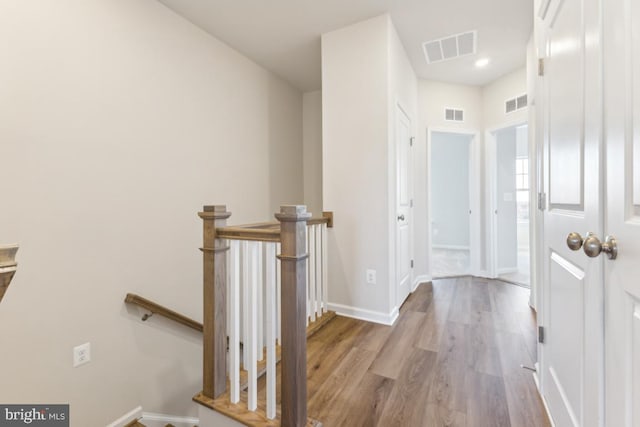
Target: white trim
{"type": "Point", "coordinates": [133, 414]}
{"type": "Point", "coordinates": [164, 419]}
{"type": "Point", "coordinates": [364, 314]}
{"type": "Point", "coordinates": [475, 249]}
{"type": "Point", "coordinates": [484, 274]}
{"type": "Point", "coordinates": [491, 206]}
{"type": "Point", "coordinates": [536, 379]}
{"type": "Point", "coordinates": [507, 270]}
{"type": "Point", "coordinates": [418, 280]}
{"type": "Point", "coordinates": [452, 247]}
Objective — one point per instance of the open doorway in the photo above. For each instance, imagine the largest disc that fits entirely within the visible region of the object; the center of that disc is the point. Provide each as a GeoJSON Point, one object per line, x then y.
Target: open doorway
{"type": "Point", "coordinates": [450, 193]}
{"type": "Point", "coordinates": [511, 208]}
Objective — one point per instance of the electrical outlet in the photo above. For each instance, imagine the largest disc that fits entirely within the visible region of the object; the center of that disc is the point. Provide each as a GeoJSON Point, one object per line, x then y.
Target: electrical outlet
{"type": "Point", "coordinates": [81, 354]}
{"type": "Point", "coordinates": [371, 277]}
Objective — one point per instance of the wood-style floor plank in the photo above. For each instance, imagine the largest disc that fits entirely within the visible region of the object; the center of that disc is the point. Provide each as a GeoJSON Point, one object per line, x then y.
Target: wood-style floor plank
{"type": "Point", "coordinates": [486, 401]}
{"type": "Point", "coordinates": [367, 405]}
{"type": "Point", "coordinates": [393, 355]}
{"type": "Point", "coordinates": [438, 416]}
{"type": "Point", "coordinates": [405, 406]}
{"type": "Point", "coordinates": [333, 397]}
{"type": "Point", "coordinates": [449, 389]}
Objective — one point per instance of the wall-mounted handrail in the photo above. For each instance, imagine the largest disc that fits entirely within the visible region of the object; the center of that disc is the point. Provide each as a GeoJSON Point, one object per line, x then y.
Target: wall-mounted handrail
{"type": "Point", "coordinates": [156, 308]}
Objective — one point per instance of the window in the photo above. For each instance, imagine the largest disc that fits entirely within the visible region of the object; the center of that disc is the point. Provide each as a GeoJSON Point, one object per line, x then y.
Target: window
{"type": "Point", "coordinates": [522, 174]}
{"type": "Point", "coordinates": [522, 188]}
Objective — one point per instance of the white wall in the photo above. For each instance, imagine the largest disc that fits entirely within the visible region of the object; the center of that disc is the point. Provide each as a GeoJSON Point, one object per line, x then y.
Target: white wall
{"type": "Point", "coordinates": [120, 120]}
{"type": "Point", "coordinates": [450, 190]}
{"type": "Point", "coordinates": [365, 73]}
{"type": "Point", "coordinates": [312, 150]}
{"type": "Point", "coordinates": [494, 96]}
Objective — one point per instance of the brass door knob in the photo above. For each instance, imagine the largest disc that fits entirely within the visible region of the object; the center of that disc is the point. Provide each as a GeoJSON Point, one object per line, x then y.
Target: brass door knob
{"type": "Point", "coordinates": [593, 247]}
{"type": "Point", "coordinates": [574, 241]}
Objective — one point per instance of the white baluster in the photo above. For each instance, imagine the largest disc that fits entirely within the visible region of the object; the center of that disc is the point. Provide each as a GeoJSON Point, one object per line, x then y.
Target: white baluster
{"type": "Point", "coordinates": [308, 261]}
{"type": "Point", "coordinates": [260, 276]}
{"type": "Point", "coordinates": [311, 295]}
{"type": "Point", "coordinates": [271, 329]}
{"type": "Point", "coordinates": [251, 344]}
{"type": "Point", "coordinates": [325, 263]}
{"type": "Point", "coordinates": [245, 302]}
{"type": "Point", "coordinates": [234, 324]}
{"type": "Point", "coordinates": [318, 268]}
{"type": "Point", "coordinates": [228, 293]}
{"type": "Point", "coordinates": [278, 295]}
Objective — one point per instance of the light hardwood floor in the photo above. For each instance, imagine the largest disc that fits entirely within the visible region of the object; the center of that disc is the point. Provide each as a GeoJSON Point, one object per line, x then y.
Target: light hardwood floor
{"type": "Point", "coordinates": [452, 359]}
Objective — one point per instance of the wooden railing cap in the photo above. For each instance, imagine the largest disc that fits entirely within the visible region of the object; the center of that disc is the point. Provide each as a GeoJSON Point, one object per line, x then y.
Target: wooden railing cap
{"type": "Point", "coordinates": [293, 213]}
{"type": "Point", "coordinates": [214, 212]}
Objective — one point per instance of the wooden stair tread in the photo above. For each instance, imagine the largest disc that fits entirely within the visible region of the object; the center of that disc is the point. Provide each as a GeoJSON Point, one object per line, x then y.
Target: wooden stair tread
{"type": "Point", "coordinates": [239, 411]}
{"type": "Point", "coordinates": [262, 364]}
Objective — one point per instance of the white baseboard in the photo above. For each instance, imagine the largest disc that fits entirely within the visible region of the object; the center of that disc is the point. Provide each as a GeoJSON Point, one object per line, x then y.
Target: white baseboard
{"type": "Point", "coordinates": [418, 280]}
{"type": "Point", "coordinates": [483, 275]}
{"type": "Point", "coordinates": [150, 419]}
{"type": "Point", "coordinates": [508, 270]}
{"type": "Point", "coordinates": [364, 314]}
{"type": "Point", "coordinates": [451, 247]}
{"type": "Point", "coordinates": [134, 414]}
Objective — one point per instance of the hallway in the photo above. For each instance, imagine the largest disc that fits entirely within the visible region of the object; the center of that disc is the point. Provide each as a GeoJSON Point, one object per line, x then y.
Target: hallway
{"type": "Point", "coordinates": [451, 359]}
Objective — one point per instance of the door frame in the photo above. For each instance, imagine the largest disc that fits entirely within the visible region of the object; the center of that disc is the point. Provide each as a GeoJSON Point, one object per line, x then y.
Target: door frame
{"type": "Point", "coordinates": [491, 195]}
{"type": "Point", "coordinates": [399, 108]}
{"type": "Point", "coordinates": [475, 248]}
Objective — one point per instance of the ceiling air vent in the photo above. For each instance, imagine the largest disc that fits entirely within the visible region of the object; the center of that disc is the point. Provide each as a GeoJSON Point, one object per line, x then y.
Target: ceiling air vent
{"type": "Point", "coordinates": [450, 47]}
{"type": "Point", "coordinates": [514, 104]}
{"type": "Point", "coordinates": [453, 115]}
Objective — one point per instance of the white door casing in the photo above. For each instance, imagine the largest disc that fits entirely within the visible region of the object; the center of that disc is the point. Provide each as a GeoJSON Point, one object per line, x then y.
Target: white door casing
{"type": "Point", "coordinates": [403, 206]}
{"type": "Point", "coordinates": [622, 275]}
{"type": "Point", "coordinates": [571, 358]}
{"type": "Point", "coordinates": [476, 248]}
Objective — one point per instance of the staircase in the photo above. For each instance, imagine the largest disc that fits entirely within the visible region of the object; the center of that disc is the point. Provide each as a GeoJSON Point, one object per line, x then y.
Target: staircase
{"type": "Point", "coordinates": [265, 286]}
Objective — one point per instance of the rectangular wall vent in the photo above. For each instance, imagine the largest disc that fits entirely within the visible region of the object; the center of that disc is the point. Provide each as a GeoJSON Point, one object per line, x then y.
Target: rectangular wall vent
{"type": "Point", "coordinates": [453, 115]}
{"type": "Point", "coordinates": [450, 47]}
{"type": "Point", "coordinates": [515, 104]}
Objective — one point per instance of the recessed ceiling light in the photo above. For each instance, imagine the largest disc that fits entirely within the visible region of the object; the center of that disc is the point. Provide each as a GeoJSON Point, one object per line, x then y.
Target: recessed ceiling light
{"type": "Point", "coordinates": [482, 62]}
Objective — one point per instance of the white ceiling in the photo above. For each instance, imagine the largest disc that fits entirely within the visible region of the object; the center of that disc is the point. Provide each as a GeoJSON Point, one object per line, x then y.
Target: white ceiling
{"type": "Point", "coordinates": [284, 35]}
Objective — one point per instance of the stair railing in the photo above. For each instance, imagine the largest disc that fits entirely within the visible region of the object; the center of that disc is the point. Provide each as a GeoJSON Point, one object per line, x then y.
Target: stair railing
{"type": "Point", "coordinates": [263, 284]}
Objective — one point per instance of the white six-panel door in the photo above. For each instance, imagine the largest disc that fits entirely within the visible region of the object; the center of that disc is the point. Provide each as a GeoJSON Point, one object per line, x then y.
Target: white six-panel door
{"type": "Point", "coordinates": [403, 206]}
{"type": "Point", "coordinates": [571, 356]}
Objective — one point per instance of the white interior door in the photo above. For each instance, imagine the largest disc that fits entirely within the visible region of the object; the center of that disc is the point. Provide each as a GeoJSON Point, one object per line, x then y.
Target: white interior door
{"type": "Point", "coordinates": [403, 206]}
{"type": "Point", "coordinates": [622, 275]}
{"type": "Point", "coordinates": [571, 358]}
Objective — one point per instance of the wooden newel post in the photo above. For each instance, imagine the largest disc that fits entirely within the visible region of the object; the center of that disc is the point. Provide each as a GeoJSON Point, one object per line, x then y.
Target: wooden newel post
{"type": "Point", "coordinates": [214, 254]}
{"type": "Point", "coordinates": [293, 238]}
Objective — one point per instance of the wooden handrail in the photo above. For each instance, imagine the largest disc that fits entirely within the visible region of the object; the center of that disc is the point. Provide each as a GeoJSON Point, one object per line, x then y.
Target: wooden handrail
{"type": "Point", "coordinates": [265, 231]}
{"type": "Point", "coordinates": [163, 311]}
